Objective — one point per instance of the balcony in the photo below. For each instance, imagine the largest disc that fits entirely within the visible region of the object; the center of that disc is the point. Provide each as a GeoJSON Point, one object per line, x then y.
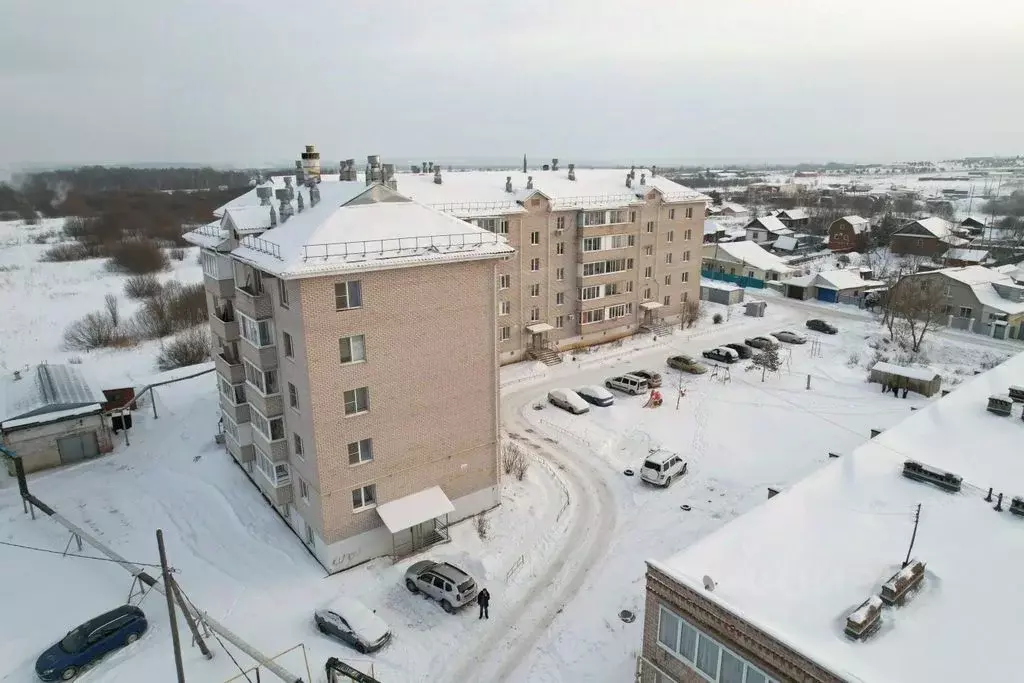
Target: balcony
{"type": "Point", "coordinates": [230, 367]}
{"type": "Point", "coordinates": [279, 494]}
{"type": "Point", "coordinates": [271, 406]}
{"type": "Point", "coordinates": [264, 357]}
{"type": "Point", "coordinates": [606, 301]}
{"type": "Point", "coordinates": [275, 450]}
{"type": "Point", "coordinates": [225, 325]}
{"type": "Point", "coordinates": [242, 454]}
{"type": "Point", "coordinates": [608, 278]}
{"type": "Point", "coordinates": [256, 305]}
{"type": "Point", "coordinates": [237, 412]}
{"type": "Point", "coordinates": [608, 229]}
{"type": "Point", "coordinates": [224, 288]}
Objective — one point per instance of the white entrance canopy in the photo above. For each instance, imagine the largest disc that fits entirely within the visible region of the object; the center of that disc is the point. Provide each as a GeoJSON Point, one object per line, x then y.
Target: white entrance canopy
{"type": "Point", "coordinates": [414, 509]}
{"type": "Point", "coordinates": [650, 305]}
{"type": "Point", "coordinates": [538, 328]}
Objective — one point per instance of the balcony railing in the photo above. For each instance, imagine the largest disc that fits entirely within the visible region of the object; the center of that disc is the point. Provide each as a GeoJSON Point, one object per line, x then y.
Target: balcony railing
{"type": "Point", "coordinates": [261, 245]}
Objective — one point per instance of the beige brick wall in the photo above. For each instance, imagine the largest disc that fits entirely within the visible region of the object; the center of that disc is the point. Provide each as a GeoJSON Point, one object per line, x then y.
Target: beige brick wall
{"type": "Point", "coordinates": [431, 370]}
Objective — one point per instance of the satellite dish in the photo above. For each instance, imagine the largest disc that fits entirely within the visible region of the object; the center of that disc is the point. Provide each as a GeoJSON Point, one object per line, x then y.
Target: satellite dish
{"type": "Point", "coordinates": [709, 583]}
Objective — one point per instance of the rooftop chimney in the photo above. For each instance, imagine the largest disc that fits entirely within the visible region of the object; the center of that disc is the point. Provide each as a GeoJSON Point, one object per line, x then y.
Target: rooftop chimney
{"type": "Point", "coordinates": [629, 180]}
{"type": "Point", "coordinates": [430, 166]}
{"type": "Point", "coordinates": [310, 162]}
{"type": "Point", "coordinates": [350, 170]}
{"type": "Point", "coordinates": [300, 174]}
{"type": "Point", "coordinates": [273, 217]}
{"type": "Point", "coordinates": [572, 171]}
{"type": "Point", "coordinates": [632, 171]}
{"type": "Point", "coordinates": [545, 167]}
{"type": "Point", "coordinates": [643, 178]}
{"type": "Point", "coordinates": [554, 164]}
{"type": "Point", "coordinates": [264, 192]}
{"type": "Point", "coordinates": [414, 169]}
{"type": "Point", "coordinates": [314, 196]}
{"type": "Point", "coordinates": [529, 182]}
{"type": "Point", "coordinates": [524, 163]}
{"type": "Point", "coordinates": [389, 176]}
{"type": "Point", "coordinates": [508, 183]}
{"type": "Point", "coordinates": [654, 170]}
{"type": "Point", "coordinates": [299, 201]}
{"type": "Point", "coordinates": [437, 174]}
{"type": "Point", "coordinates": [17, 375]}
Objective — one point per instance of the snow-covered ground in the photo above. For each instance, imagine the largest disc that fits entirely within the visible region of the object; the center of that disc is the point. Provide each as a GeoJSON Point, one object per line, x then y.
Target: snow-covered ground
{"type": "Point", "coordinates": [561, 556]}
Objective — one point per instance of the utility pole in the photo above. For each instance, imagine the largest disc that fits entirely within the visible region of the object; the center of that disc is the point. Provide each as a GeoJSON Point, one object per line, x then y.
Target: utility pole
{"type": "Point", "coordinates": [189, 619]}
{"type": "Point", "coordinates": [917, 518]}
{"type": "Point", "coordinates": [169, 594]}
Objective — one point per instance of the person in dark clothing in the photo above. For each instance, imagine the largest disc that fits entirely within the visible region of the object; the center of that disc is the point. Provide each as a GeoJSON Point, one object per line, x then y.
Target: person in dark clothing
{"type": "Point", "coordinates": [483, 599]}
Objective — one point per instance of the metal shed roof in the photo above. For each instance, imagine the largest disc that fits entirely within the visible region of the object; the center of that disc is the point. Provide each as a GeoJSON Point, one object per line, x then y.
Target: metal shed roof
{"type": "Point", "coordinates": [46, 389]}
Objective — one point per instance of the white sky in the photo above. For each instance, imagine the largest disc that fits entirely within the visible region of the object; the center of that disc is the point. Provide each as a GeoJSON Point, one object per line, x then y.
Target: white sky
{"type": "Point", "coordinates": [250, 81]}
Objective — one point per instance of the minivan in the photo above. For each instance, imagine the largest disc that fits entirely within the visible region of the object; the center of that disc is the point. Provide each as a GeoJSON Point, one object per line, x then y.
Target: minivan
{"type": "Point", "coordinates": [629, 384]}
{"type": "Point", "coordinates": [662, 468]}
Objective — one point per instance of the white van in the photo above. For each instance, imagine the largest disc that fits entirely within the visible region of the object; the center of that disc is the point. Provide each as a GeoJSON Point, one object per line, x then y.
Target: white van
{"type": "Point", "coordinates": [662, 468]}
{"type": "Point", "coordinates": [630, 384]}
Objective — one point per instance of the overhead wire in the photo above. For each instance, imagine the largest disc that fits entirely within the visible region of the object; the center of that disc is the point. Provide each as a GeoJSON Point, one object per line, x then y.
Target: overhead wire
{"type": "Point", "coordinates": [64, 553]}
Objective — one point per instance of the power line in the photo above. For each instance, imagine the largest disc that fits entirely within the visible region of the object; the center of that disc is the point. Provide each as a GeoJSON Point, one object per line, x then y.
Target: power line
{"type": "Point", "coordinates": [223, 646]}
{"type": "Point", "coordinates": [83, 557]}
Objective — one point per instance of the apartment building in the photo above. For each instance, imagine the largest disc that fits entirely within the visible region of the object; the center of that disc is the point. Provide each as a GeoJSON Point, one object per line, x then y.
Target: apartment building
{"type": "Point", "coordinates": [600, 253]}
{"type": "Point", "coordinates": [356, 358]}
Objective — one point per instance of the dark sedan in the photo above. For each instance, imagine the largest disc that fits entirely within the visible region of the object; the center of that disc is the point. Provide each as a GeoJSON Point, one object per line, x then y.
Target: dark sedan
{"type": "Point", "coordinates": [84, 645]}
{"type": "Point", "coordinates": [722, 355]}
{"type": "Point", "coordinates": [821, 326]}
{"type": "Point", "coordinates": [742, 350]}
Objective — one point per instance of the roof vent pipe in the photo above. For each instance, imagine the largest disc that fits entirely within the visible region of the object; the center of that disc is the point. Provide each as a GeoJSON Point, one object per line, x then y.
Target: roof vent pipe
{"type": "Point", "coordinates": [273, 217]}
{"type": "Point", "coordinates": [643, 178]}
{"type": "Point", "coordinates": [314, 196]}
{"type": "Point", "coordinates": [632, 171]}
{"type": "Point", "coordinates": [389, 176]}
{"type": "Point", "coordinates": [654, 170]}
{"type": "Point", "coordinates": [545, 167]}
{"type": "Point", "coordinates": [508, 183]}
{"type": "Point", "coordinates": [300, 174]}
{"type": "Point", "coordinates": [529, 182]}
{"type": "Point", "coordinates": [629, 180]}
{"type": "Point", "coordinates": [17, 375]}
{"type": "Point", "coordinates": [554, 164]}
{"type": "Point", "coordinates": [572, 171]}
{"type": "Point", "coordinates": [437, 175]}
{"type": "Point", "coordinates": [299, 201]}
{"type": "Point", "coordinates": [429, 165]}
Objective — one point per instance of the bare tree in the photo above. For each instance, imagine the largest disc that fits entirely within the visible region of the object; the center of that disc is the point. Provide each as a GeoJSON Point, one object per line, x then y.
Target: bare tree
{"type": "Point", "coordinates": [110, 302]}
{"type": "Point", "coordinates": [691, 313]}
{"type": "Point", "coordinates": [918, 303]}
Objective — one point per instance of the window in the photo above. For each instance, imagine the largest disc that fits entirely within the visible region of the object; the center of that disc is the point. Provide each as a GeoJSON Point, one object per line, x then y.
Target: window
{"type": "Point", "coordinates": [357, 401]}
{"type": "Point", "coordinates": [612, 289]}
{"type": "Point", "coordinates": [272, 429]}
{"type": "Point", "coordinates": [686, 256]}
{"type": "Point", "coordinates": [535, 264]}
{"type": "Point", "coordinates": [668, 629]}
{"type": "Point", "coordinates": [619, 311]}
{"type": "Point", "coordinates": [670, 235]}
{"type": "Point", "coordinates": [504, 307]}
{"type": "Point", "coordinates": [353, 349]}
{"type": "Point", "coordinates": [667, 301]}
{"type": "Point", "coordinates": [560, 248]}
{"type": "Point", "coordinates": [650, 226]}
{"type": "Point", "coordinates": [264, 381]}
{"type": "Point", "coordinates": [671, 214]}
{"type": "Point", "coordinates": [364, 497]}
{"type": "Point", "coordinates": [297, 445]}
{"type": "Point", "coordinates": [535, 201]}
{"type": "Point", "coordinates": [647, 293]}
{"type": "Point", "coordinates": [234, 393]}
{"type": "Point", "coordinates": [360, 451]}
{"type": "Point", "coordinates": [648, 271]}
{"type": "Point", "coordinates": [534, 314]}
{"type": "Point", "coordinates": [282, 293]}
{"type": "Point", "coordinates": [668, 279]}
{"type": "Point", "coordinates": [559, 322]}
{"type": "Point", "coordinates": [348, 295]}
{"type": "Point", "coordinates": [293, 396]}
{"type": "Point", "coordinates": [689, 212]}
{"type": "Point", "coordinates": [595, 316]}
{"type": "Point", "coordinates": [688, 234]}
{"type": "Point", "coordinates": [591, 292]}
{"type": "Point", "coordinates": [495, 225]}
{"type": "Point", "coordinates": [248, 280]}
{"type": "Point", "coordinates": [534, 290]}
{"type": "Point", "coordinates": [304, 492]}
{"type": "Point", "coordinates": [277, 473]}
{"type": "Point", "coordinates": [560, 223]}
{"type": "Point", "coordinates": [750, 273]}
{"type": "Point", "coordinates": [504, 333]}
{"type": "Point", "coordinates": [965, 312]}
{"type": "Point", "coordinates": [593, 218]}
{"type": "Point", "coordinates": [289, 348]}
{"type": "Point", "coordinates": [535, 237]}
{"type": "Point", "coordinates": [560, 273]}
{"type": "Point", "coordinates": [629, 285]}
{"type": "Point", "coordinates": [591, 244]}
{"type": "Point", "coordinates": [708, 652]}
{"type": "Point", "coordinates": [649, 250]}
{"type": "Point", "coordinates": [731, 670]}
{"type": "Point", "coordinates": [559, 298]}
{"type": "Point", "coordinates": [685, 277]}
{"type": "Point", "coordinates": [504, 281]}
{"type": "Point", "coordinates": [668, 257]}
{"type": "Point", "coordinates": [259, 333]}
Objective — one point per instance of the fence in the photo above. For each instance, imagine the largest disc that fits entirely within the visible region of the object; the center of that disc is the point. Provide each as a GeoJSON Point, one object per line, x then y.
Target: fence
{"type": "Point", "coordinates": [400, 246]}
{"type": "Point", "coordinates": [741, 280]}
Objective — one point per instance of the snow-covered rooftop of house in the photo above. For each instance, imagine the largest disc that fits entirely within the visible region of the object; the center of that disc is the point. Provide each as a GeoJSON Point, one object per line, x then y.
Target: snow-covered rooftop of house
{"type": "Point", "coordinates": [800, 563]}
{"type": "Point", "coordinates": [844, 279]}
{"type": "Point", "coordinates": [711, 227]}
{"type": "Point", "coordinates": [858, 223]}
{"type": "Point", "coordinates": [793, 214]}
{"type": "Point", "coordinates": [373, 229]}
{"type": "Point", "coordinates": [923, 374]}
{"type": "Point", "coordinates": [734, 207]}
{"type": "Point", "coordinates": [249, 219]}
{"type": "Point", "coordinates": [749, 253]}
{"type": "Point", "coordinates": [969, 255]}
{"type": "Point", "coordinates": [786, 243]}
{"type": "Point", "coordinates": [976, 275]}
{"type": "Point", "coordinates": [939, 227]}
{"type": "Point", "coordinates": [46, 389]}
{"type": "Point", "coordinates": [719, 284]}
{"type": "Point", "coordinates": [773, 225]}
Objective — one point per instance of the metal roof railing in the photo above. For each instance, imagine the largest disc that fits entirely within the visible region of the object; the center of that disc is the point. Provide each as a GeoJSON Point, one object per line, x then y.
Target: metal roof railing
{"type": "Point", "coordinates": [401, 246]}
{"type": "Point", "coordinates": [261, 245]}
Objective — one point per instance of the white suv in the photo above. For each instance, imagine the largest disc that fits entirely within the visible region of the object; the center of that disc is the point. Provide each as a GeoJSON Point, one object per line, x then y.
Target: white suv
{"type": "Point", "coordinates": [662, 468]}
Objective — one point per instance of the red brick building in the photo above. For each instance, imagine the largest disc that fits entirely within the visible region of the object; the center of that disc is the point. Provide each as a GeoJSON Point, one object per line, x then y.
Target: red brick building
{"type": "Point", "coordinates": [849, 233]}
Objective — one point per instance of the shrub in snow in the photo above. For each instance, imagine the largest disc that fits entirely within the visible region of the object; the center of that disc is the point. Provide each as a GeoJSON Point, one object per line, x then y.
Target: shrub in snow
{"type": "Point", "coordinates": [187, 348]}
{"type": "Point", "coordinates": [481, 526]}
{"type": "Point", "coordinates": [95, 331]}
{"type": "Point", "coordinates": [691, 313]}
{"type": "Point", "coordinates": [178, 254]}
{"type": "Point", "coordinates": [142, 286]}
{"type": "Point", "coordinates": [66, 251]}
{"type": "Point", "coordinates": [717, 318]}
{"type": "Point", "coordinates": [110, 303]}
{"type": "Point", "coordinates": [854, 360]}
{"type": "Point", "coordinates": [172, 309]}
{"type": "Point", "coordinates": [514, 459]}
{"type": "Point", "coordinates": [137, 256]}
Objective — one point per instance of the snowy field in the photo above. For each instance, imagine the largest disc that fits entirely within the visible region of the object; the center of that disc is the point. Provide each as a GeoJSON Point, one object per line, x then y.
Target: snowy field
{"type": "Point", "coordinates": [561, 556]}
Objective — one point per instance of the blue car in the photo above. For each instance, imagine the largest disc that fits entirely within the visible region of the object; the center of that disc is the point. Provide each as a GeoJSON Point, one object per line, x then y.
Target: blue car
{"type": "Point", "coordinates": [86, 644]}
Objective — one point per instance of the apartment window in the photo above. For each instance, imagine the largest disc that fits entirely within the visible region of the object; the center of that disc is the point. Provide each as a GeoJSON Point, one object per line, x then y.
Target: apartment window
{"type": "Point", "coordinates": [667, 301]}
{"type": "Point", "coordinates": [535, 201]}
{"type": "Point", "coordinates": [535, 237]}
{"type": "Point", "coordinates": [504, 307]}
{"type": "Point", "coordinates": [535, 264]}
{"type": "Point", "coordinates": [559, 298]}
{"type": "Point", "coordinates": [534, 314]}
{"type": "Point", "coordinates": [671, 214]}
{"type": "Point", "coordinates": [617, 216]}
{"type": "Point", "coordinates": [689, 212]}
{"type": "Point", "coordinates": [686, 256]}
{"type": "Point", "coordinates": [595, 316]}
{"type": "Point", "coordinates": [277, 473]}
{"type": "Point", "coordinates": [750, 273]}
{"type": "Point", "coordinates": [687, 234]}
{"type": "Point", "coordinates": [289, 348]}
{"type": "Point", "coordinates": [304, 493]}
{"type": "Point", "coordinates": [619, 311]}
{"type": "Point", "coordinates": [535, 290]}
{"type": "Point", "coordinates": [235, 393]}
{"type": "Point", "coordinates": [504, 333]}
{"type": "Point", "coordinates": [629, 286]}
{"type": "Point", "coordinates": [271, 428]}
{"type": "Point", "coordinates": [357, 401]}
{"type": "Point", "coordinates": [670, 235]}
{"type": "Point", "coordinates": [612, 289]}
{"type": "Point", "coordinates": [650, 226]}
{"type": "Point", "coordinates": [495, 225]}
{"type": "Point", "coordinates": [293, 396]}
{"type": "Point", "coordinates": [648, 271]}
{"type": "Point", "coordinates": [247, 279]}
{"type": "Point", "coordinates": [592, 292]}
{"type": "Point", "coordinates": [594, 218]}
{"type": "Point", "coordinates": [297, 445]}
{"type": "Point", "coordinates": [689, 644]}
{"type": "Point", "coordinates": [353, 349]}
{"type": "Point", "coordinates": [560, 273]}
{"type": "Point", "coordinates": [559, 322]}
{"type": "Point", "coordinates": [685, 277]}
{"type": "Point", "coordinates": [348, 295]}
{"type": "Point", "coordinates": [560, 248]}
{"type": "Point", "coordinates": [364, 497]}
{"type": "Point", "coordinates": [647, 293]}
{"type": "Point", "coordinates": [591, 244]}
{"type": "Point", "coordinates": [560, 223]}
{"type": "Point", "coordinates": [259, 333]}
{"type": "Point", "coordinates": [965, 312]}
{"type": "Point", "coordinates": [264, 381]}
{"type": "Point", "coordinates": [360, 451]}
{"type": "Point", "coordinates": [668, 257]}
{"type": "Point", "coordinates": [504, 281]}
{"type": "Point", "coordinates": [649, 250]}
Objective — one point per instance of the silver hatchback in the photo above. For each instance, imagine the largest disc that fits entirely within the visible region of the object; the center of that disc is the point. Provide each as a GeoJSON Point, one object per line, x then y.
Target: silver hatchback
{"type": "Point", "coordinates": [443, 582]}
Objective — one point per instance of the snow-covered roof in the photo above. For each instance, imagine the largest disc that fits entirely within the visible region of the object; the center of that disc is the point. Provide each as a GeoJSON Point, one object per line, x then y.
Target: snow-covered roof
{"type": "Point", "coordinates": [955, 241]}
{"type": "Point", "coordinates": [720, 285]}
{"type": "Point", "coordinates": [414, 509]}
{"type": "Point", "coordinates": [374, 228]}
{"type": "Point", "coordinates": [771, 224]}
{"type": "Point", "coordinates": [982, 282]}
{"type": "Point", "coordinates": [938, 227]}
{"type": "Point", "coordinates": [734, 207]}
{"type": "Point", "coordinates": [711, 228]}
{"type": "Point", "coordinates": [975, 275]}
{"type": "Point", "coordinates": [857, 223]}
{"type": "Point", "coordinates": [46, 389]}
{"type": "Point", "coordinates": [923, 374]}
{"type": "Point", "coordinates": [786, 243]}
{"type": "Point", "coordinates": [749, 253]}
{"type": "Point", "coordinates": [248, 220]}
{"type": "Point", "coordinates": [970, 255]}
{"type": "Point", "coordinates": [208, 236]}
{"type": "Point", "coordinates": [796, 566]}
{"type": "Point", "coordinates": [843, 279]}
{"type": "Point", "coordinates": [793, 214]}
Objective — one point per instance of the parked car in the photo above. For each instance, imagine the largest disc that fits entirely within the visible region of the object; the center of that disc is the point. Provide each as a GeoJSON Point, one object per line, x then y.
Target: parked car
{"type": "Point", "coordinates": [595, 395]}
{"type": "Point", "coordinates": [821, 326]}
{"type": "Point", "coordinates": [762, 342]}
{"type": "Point", "coordinates": [630, 384]}
{"type": "Point", "coordinates": [742, 350]}
{"type": "Point", "coordinates": [353, 623]}
{"type": "Point", "coordinates": [84, 645]}
{"type": "Point", "coordinates": [662, 468]}
{"type": "Point", "coordinates": [567, 399]}
{"type": "Point", "coordinates": [443, 582]}
{"type": "Point", "coordinates": [791, 337]}
{"type": "Point", "coordinates": [686, 364]}
{"type": "Point", "coordinates": [722, 354]}
{"type": "Point", "coordinates": [653, 378]}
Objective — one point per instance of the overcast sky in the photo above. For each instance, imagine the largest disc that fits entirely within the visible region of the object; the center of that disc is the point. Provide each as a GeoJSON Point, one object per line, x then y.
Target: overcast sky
{"type": "Point", "coordinates": [251, 81]}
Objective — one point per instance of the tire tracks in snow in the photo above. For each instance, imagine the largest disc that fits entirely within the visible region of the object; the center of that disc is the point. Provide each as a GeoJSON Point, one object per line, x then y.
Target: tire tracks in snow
{"type": "Point", "coordinates": [517, 627]}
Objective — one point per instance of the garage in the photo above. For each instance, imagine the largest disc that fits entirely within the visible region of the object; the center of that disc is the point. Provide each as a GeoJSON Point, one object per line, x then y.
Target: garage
{"type": "Point", "coordinates": [829, 295]}
{"type": "Point", "coordinates": [77, 447]}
